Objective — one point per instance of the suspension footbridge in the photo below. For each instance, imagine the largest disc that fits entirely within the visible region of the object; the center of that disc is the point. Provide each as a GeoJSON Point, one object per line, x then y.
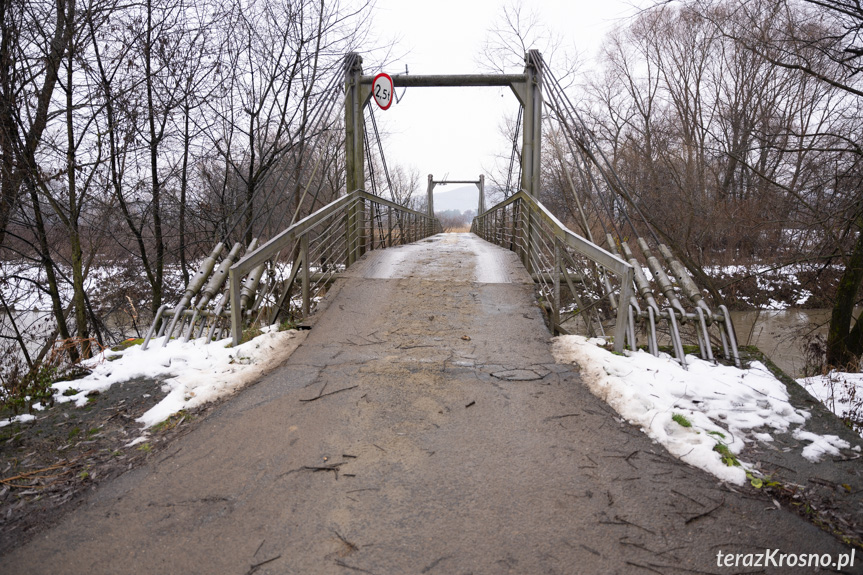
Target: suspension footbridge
{"type": "Point", "coordinates": [628, 286]}
{"type": "Point", "coordinates": [424, 426]}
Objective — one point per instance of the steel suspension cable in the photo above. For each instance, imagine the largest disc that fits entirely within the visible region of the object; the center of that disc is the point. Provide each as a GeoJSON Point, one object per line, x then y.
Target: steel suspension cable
{"type": "Point", "coordinates": [586, 153]}
{"type": "Point", "coordinates": [371, 165]}
{"type": "Point", "coordinates": [589, 181]}
{"type": "Point", "coordinates": [324, 118]}
{"type": "Point", "coordinates": [320, 114]}
{"type": "Point", "coordinates": [620, 187]}
{"type": "Point", "coordinates": [381, 152]}
{"type": "Point", "coordinates": [514, 155]}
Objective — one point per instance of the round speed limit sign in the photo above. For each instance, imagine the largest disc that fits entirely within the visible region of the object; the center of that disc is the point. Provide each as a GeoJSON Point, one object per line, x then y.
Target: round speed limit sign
{"type": "Point", "coordinates": [382, 90]}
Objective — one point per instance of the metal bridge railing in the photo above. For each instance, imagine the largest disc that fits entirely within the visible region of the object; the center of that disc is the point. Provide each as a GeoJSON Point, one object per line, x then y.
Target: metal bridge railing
{"type": "Point", "coordinates": [285, 277]}
{"type": "Point", "coordinates": [304, 259]}
{"type": "Point", "coordinates": [594, 280]}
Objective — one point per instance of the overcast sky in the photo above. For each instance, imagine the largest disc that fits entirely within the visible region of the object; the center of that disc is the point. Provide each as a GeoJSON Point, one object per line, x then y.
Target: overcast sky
{"type": "Point", "coordinates": [457, 131]}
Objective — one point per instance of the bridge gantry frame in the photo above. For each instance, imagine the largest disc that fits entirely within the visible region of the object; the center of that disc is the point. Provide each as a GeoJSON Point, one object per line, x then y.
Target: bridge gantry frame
{"type": "Point", "coordinates": [530, 229]}
{"type": "Point", "coordinates": [527, 88]}
{"type": "Point", "coordinates": [480, 184]}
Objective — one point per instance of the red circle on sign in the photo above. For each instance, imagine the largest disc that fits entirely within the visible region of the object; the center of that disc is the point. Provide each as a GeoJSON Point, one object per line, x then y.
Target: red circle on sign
{"type": "Point", "coordinates": [382, 90]}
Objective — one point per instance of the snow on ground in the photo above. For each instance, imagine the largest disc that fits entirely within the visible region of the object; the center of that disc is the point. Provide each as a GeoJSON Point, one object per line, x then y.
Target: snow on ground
{"type": "Point", "coordinates": [21, 278]}
{"type": "Point", "coordinates": [199, 372]}
{"type": "Point", "coordinates": [842, 393]}
{"type": "Point", "coordinates": [17, 419]}
{"type": "Point", "coordinates": [769, 279]}
{"type": "Point", "coordinates": [724, 406]}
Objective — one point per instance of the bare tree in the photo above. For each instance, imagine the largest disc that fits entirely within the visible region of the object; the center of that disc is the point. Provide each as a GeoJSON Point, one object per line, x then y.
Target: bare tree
{"type": "Point", "coordinates": [517, 30]}
{"type": "Point", "coordinates": [726, 152]}
{"type": "Point", "coordinates": [30, 59]}
{"type": "Point", "coordinates": [821, 40]}
{"type": "Point", "coordinates": [142, 133]}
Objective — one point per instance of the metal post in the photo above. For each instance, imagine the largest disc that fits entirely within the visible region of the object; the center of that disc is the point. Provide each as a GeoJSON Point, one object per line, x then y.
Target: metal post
{"type": "Point", "coordinates": [532, 124]}
{"type": "Point", "coordinates": [354, 152]}
{"type": "Point", "coordinates": [236, 313]}
{"type": "Point", "coordinates": [558, 269]}
{"type": "Point", "coordinates": [354, 101]}
{"type": "Point", "coordinates": [623, 309]}
{"type": "Point", "coordinates": [304, 253]}
{"type": "Point", "coordinates": [480, 208]}
{"type": "Point", "coordinates": [430, 203]}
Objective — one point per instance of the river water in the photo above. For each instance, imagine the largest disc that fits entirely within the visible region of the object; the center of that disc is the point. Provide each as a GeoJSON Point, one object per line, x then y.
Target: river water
{"type": "Point", "coordinates": [35, 326]}
{"type": "Point", "coordinates": [782, 335]}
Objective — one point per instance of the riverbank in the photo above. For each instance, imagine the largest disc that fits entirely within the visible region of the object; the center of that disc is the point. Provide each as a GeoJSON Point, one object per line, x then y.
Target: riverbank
{"type": "Point", "coordinates": [50, 462]}
{"type": "Point", "coordinates": [128, 407]}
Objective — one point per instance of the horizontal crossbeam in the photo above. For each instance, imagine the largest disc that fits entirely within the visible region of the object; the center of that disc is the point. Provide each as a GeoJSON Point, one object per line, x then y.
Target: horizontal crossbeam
{"type": "Point", "coordinates": [452, 80]}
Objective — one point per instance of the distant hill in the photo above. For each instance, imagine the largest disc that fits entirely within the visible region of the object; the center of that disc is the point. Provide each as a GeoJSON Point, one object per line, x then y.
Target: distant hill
{"type": "Point", "coordinates": [462, 199]}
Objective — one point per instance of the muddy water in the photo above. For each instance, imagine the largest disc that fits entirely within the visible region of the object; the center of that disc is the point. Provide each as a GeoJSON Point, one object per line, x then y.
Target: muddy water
{"type": "Point", "coordinates": [36, 326]}
{"type": "Point", "coordinates": [781, 335]}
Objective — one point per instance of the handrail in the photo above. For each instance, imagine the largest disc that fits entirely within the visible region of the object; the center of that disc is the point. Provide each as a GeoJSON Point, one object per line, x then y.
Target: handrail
{"type": "Point", "coordinates": [282, 239]}
{"type": "Point", "coordinates": [547, 248]}
{"type": "Point", "coordinates": [535, 249]}
{"type": "Point", "coordinates": [573, 240]}
{"type": "Point", "coordinates": [347, 213]}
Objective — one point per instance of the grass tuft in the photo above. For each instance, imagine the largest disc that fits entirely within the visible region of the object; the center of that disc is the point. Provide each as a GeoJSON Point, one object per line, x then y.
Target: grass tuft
{"type": "Point", "coordinates": [681, 419]}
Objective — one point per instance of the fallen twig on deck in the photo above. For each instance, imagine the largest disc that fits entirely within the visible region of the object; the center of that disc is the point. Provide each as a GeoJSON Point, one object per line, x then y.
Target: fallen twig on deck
{"type": "Point", "coordinates": [706, 513]}
{"type": "Point", "coordinates": [330, 393]}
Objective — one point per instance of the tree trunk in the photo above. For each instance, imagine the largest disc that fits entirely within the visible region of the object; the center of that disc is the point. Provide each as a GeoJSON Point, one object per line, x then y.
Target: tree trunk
{"type": "Point", "coordinates": [184, 179]}
{"type": "Point", "coordinates": [250, 184]}
{"type": "Point", "coordinates": [48, 266]}
{"type": "Point", "coordinates": [17, 166]}
{"type": "Point", "coordinates": [78, 296]}
{"type": "Point", "coordinates": [155, 138]}
{"type": "Point", "coordinates": [844, 345]}
{"type": "Point", "coordinates": [116, 151]}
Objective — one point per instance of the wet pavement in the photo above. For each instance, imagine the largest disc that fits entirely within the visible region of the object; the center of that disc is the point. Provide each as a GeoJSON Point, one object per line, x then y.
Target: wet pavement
{"type": "Point", "coordinates": [422, 427]}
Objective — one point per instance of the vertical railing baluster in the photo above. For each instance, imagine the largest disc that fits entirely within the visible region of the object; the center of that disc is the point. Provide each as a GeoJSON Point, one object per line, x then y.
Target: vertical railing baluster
{"type": "Point", "coordinates": [304, 252]}
{"type": "Point", "coordinates": [555, 313]}
{"type": "Point", "coordinates": [236, 315]}
{"type": "Point", "coordinates": [373, 207]}
{"type": "Point", "coordinates": [525, 233]}
{"type": "Point", "coordinates": [512, 238]}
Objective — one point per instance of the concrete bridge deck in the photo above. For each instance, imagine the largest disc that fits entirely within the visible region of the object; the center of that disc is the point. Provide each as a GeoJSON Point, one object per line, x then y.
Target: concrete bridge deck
{"type": "Point", "coordinates": [422, 427]}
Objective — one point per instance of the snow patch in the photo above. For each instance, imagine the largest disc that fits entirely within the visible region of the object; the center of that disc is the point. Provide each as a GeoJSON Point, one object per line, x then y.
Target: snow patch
{"type": "Point", "coordinates": [17, 419]}
{"type": "Point", "coordinates": [138, 440]}
{"type": "Point", "coordinates": [198, 372]}
{"type": "Point", "coordinates": [841, 393]}
{"type": "Point", "coordinates": [819, 444]}
{"type": "Point", "coordinates": [724, 405]}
